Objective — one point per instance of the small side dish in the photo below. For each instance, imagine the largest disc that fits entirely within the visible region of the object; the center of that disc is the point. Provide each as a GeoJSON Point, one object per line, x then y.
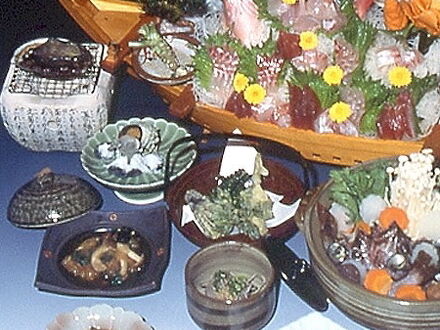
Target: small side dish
{"type": "Point", "coordinates": [163, 58]}
{"type": "Point", "coordinates": [230, 285]}
{"type": "Point", "coordinates": [99, 317]}
{"type": "Point", "coordinates": [129, 155]}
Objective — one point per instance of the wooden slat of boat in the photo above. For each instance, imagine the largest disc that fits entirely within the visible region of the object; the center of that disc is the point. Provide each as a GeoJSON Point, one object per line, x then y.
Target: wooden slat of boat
{"type": "Point", "coordinates": [117, 5]}
{"type": "Point", "coordinates": [104, 26]}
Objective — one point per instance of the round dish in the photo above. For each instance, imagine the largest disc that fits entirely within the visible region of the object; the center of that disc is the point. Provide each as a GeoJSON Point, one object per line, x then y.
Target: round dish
{"type": "Point", "coordinates": [100, 316]}
{"type": "Point", "coordinates": [202, 178]}
{"type": "Point", "coordinates": [169, 132]}
{"type": "Point", "coordinates": [368, 308]}
{"type": "Point", "coordinates": [154, 69]}
{"type": "Point", "coordinates": [252, 312]}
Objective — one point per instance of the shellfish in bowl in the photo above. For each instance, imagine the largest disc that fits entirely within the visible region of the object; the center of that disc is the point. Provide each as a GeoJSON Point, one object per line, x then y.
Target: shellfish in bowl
{"type": "Point", "coordinates": [100, 316]}
{"type": "Point", "coordinates": [129, 157]}
{"type": "Point", "coordinates": [56, 59]}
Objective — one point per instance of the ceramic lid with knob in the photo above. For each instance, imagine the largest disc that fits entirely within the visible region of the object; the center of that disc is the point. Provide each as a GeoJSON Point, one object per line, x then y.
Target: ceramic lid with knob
{"type": "Point", "coordinates": [50, 199]}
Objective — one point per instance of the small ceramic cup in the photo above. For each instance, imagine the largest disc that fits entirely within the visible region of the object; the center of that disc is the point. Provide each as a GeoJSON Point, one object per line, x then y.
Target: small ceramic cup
{"type": "Point", "coordinates": [252, 312]}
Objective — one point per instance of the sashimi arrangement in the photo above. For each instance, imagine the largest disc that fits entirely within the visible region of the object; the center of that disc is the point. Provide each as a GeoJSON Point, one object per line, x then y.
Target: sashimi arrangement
{"type": "Point", "coordinates": [348, 67]}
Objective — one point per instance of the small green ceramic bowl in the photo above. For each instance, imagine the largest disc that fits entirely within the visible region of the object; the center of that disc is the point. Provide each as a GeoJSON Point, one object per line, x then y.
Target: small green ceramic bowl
{"type": "Point", "coordinates": [182, 156]}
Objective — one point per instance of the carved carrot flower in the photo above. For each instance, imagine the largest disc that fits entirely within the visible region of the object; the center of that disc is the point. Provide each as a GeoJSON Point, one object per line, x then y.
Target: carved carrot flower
{"type": "Point", "coordinates": [399, 76]}
{"type": "Point", "coordinates": [240, 82]}
{"type": "Point", "coordinates": [333, 75]}
{"type": "Point", "coordinates": [254, 94]}
{"type": "Point", "coordinates": [308, 40]}
{"type": "Point", "coordinates": [339, 112]}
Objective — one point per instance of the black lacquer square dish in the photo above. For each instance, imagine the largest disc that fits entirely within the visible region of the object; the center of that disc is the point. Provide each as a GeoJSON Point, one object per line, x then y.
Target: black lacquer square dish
{"type": "Point", "coordinates": [106, 254]}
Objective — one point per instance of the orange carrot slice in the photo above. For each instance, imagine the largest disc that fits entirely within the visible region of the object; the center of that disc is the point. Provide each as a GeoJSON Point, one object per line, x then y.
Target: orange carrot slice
{"type": "Point", "coordinates": [410, 292]}
{"type": "Point", "coordinates": [393, 214]}
{"type": "Point", "coordinates": [378, 280]}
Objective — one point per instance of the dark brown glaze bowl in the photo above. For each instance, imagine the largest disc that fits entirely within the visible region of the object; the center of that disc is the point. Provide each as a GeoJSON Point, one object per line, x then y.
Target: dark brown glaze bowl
{"type": "Point", "coordinates": [202, 176]}
{"type": "Point", "coordinates": [365, 307]}
{"type": "Point", "coordinates": [253, 312]}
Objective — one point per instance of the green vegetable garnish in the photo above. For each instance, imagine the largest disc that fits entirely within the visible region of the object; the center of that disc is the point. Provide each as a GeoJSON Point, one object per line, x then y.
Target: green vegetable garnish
{"type": "Point", "coordinates": [352, 185]}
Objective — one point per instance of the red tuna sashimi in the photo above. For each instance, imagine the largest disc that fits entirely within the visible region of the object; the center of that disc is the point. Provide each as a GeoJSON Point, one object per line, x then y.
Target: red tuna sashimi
{"type": "Point", "coordinates": [238, 105]}
{"type": "Point", "coordinates": [304, 106]}
{"type": "Point", "coordinates": [288, 45]}
{"type": "Point", "coordinates": [397, 121]}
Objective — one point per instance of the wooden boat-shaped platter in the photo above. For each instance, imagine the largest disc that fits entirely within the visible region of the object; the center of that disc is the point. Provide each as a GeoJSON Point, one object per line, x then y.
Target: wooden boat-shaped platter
{"type": "Point", "coordinates": [115, 23]}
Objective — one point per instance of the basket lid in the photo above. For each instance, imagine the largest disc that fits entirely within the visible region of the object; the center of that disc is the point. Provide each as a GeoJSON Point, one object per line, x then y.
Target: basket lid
{"type": "Point", "coordinates": [50, 199]}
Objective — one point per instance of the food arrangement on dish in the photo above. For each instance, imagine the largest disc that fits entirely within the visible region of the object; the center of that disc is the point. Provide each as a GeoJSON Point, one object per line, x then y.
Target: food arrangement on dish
{"type": "Point", "coordinates": [381, 227]}
{"type": "Point", "coordinates": [348, 67]}
{"type": "Point", "coordinates": [373, 241]}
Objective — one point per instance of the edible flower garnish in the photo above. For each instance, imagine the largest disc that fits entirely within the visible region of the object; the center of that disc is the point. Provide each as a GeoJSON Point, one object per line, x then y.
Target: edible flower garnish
{"type": "Point", "coordinates": [308, 40]}
{"type": "Point", "coordinates": [254, 94]}
{"type": "Point", "coordinates": [289, 2]}
{"type": "Point", "coordinates": [339, 112]}
{"type": "Point", "coordinates": [399, 76]}
{"type": "Point", "coordinates": [333, 75]}
{"type": "Point", "coordinates": [240, 82]}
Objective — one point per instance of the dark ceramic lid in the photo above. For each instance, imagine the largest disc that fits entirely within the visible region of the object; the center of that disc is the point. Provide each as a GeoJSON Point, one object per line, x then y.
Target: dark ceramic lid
{"type": "Point", "coordinates": [50, 199]}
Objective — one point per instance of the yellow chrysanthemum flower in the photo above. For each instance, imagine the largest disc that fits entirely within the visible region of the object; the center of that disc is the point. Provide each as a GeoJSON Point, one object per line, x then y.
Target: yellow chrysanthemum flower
{"type": "Point", "coordinates": [333, 75]}
{"type": "Point", "coordinates": [399, 76]}
{"type": "Point", "coordinates": [339, 112]}
{"type": "Point", "coordinates": [254, 94]}
{"type": "Point", "coordinates": [240, 82]}
{"type": "Point", "coordinates": [289, 2]}
{"type": "Point", "coordinates": [308, 40]}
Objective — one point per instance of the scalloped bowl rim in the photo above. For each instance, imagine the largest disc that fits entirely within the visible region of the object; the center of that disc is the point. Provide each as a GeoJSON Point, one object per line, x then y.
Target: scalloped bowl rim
{"type": "Point", "coordinates": [140, 186]}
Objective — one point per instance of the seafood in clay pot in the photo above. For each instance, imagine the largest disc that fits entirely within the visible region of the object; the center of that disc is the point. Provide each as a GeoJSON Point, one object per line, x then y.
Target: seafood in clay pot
{"type": "Point", "coordinates": [56, 59]}
{"type": "Point", "coordinates": [380, 229]}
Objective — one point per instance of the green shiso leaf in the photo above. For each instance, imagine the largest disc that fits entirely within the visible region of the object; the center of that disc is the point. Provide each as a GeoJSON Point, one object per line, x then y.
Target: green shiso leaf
{"type": "Point", "coordinates": [203, 67]}
{"type": "Point", "coordinates": [351, 185]}
{"type": "Point", "coordinates": [419, 87]}
{"type": "Point", "coordinates": [326, 94]}
{"type": "Point", "coordinates": [357, 32]}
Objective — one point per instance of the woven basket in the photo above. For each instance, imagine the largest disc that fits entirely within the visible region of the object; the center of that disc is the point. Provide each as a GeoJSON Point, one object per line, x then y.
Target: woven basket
{"type": "Point", "coordinates": [328, 148]}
